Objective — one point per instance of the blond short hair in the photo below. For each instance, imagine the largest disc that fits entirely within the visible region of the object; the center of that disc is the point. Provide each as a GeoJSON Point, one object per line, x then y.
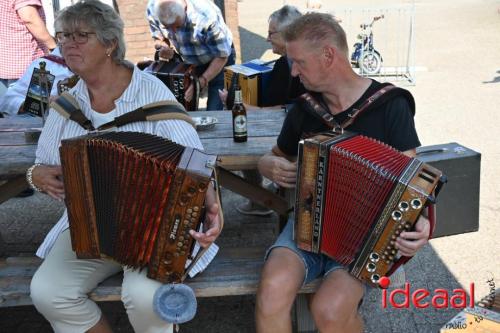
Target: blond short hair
{"type": "Point", "coordinates": [317, 29]}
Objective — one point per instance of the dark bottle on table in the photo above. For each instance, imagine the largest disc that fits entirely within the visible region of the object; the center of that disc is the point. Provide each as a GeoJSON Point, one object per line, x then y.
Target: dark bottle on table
{"type": "Point", "coordinates": [239, 117]}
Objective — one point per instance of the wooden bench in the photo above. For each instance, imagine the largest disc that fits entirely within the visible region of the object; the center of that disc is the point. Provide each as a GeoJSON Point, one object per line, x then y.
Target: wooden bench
{"type": "Point", "coordinates": [234, 271]}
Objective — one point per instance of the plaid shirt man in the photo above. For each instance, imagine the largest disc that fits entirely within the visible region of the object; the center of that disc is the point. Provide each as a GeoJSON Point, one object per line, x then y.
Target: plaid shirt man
{"type": "Point", "coordinates": [18, 47]}
{"type": "Point", "coordinates": [203, 37]}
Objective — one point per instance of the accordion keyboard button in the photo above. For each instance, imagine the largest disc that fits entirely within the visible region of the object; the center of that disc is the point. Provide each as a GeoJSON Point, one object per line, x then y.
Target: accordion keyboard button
{"type": "Point", "coordinates": [196, 208]}
{"type": "Point", "coordinates": [202, 187]}
{"type": "Point", "coordinates": [189, 211]}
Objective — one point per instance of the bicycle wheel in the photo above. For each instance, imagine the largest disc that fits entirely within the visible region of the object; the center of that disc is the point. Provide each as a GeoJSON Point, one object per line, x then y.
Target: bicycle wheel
{"type": "Point", "coordinates": [371, 62]}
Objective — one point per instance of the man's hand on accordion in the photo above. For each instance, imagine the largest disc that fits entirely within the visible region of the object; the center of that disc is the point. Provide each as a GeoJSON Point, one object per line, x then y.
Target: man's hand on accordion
{"type": "Point", "coordinates": [409, 242]}
{"type": "Point", "coordinates": [212, 226]}
{"type": "Point", "coordinates": [164, 52]}
{"type": "Point", "coordinates": [278, 168]}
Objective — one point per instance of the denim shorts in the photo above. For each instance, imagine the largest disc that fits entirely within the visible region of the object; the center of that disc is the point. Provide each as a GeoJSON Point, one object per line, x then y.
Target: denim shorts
{"type": "Point", "coordinates": [316, 265]}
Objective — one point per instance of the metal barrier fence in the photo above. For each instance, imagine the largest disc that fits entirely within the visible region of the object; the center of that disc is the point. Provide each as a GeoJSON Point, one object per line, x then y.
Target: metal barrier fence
{"type": "Point", "coordinates": [392, 57]}
{"type": "Point", "coordinates": [386, 49]}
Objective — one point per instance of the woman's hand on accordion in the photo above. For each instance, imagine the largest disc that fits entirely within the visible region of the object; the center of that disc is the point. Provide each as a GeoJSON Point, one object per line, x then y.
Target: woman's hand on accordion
{"type": "Point", "coordinates": [49, 179]}
{"type": "Point", "coordinates": [212, 226]}
{"type": "Point", "coordinates": [409, 242]}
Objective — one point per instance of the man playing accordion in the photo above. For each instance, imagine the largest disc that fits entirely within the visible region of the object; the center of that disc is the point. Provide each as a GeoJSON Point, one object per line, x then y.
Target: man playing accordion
{"type": "Point", "coordinates": [317, 47]}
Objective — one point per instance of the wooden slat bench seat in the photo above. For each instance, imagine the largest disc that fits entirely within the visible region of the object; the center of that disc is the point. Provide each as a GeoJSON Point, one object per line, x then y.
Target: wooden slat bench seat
{"type": "Point", "coordinates": [235, 271]}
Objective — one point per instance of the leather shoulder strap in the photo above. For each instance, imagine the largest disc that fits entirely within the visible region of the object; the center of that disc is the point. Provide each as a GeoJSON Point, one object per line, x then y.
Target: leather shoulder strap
{"type": "Point", "coordinates": [164, 110]}
{"type": "Point", "coordinates": [67, 106]}
{"type": "Point", "coordinates": [382, 95]}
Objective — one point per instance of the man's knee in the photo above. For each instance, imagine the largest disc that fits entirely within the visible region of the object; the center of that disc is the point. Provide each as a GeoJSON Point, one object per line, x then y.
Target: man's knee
{"type": "Point", "coordinates": [278, 287]}
{"type": "Point", "coordinates": [335, 305]}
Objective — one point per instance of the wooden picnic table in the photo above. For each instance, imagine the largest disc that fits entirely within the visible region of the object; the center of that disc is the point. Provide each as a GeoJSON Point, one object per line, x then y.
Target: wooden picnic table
{"type": "Point", "coordinates": [17, 151]}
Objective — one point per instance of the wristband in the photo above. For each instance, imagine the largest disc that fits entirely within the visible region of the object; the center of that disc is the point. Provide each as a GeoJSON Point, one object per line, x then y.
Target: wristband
{"type": "Point", "coordinates": [29, 177]}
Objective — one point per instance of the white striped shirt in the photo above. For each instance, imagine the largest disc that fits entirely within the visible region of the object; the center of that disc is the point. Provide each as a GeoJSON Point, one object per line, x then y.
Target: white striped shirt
{"type": "Point", "coordinates": [143, 89]}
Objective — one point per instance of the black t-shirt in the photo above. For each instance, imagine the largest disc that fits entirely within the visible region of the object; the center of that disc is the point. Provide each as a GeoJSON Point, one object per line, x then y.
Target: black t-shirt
{"type": "Point", "coordinates": [391, 122]}
{"type": "Point", "coordinates": [283, 88]}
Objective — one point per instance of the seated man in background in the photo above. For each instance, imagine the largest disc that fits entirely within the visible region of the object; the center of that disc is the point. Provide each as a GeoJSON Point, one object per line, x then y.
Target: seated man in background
{"type": "Point", "coordinates": [283, 89]}
{"type": "Point", "coordinates": [198, 33]}
{"type": "Point", "coordinates": [12, 102]}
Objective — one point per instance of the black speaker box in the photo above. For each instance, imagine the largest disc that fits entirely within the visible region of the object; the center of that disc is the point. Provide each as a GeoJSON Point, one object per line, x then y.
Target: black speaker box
{"type": "Point", "coordinates": [457, 207]}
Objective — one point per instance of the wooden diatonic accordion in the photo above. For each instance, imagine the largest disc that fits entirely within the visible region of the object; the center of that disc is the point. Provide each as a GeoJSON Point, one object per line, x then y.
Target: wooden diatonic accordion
{"type": "Point", "coordinates": [134, 197]}
{"type": "Point", "coordinates": [177, 76]}
{"type": "Point", "coordinates": [354, 197]}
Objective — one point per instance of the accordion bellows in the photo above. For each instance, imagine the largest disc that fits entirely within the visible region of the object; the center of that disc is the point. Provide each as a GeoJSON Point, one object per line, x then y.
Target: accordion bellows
{"type": "Point", "coordinates": [134, 197]}
{"type": "Point", "coordinates": [354, 197]}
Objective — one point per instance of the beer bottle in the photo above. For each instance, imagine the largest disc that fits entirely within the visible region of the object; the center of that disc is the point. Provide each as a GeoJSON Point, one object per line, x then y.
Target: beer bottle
{"type": "Point", "coordinates": [239, 117]}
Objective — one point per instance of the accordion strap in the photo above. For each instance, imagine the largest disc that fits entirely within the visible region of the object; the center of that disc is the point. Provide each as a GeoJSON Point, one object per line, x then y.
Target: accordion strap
{"type": "Point", "coordinates": [164, 110]}
{"type": "Point", "coordinates": [317, 109]}
{"type": "Point", "coordinates": [67, 106]}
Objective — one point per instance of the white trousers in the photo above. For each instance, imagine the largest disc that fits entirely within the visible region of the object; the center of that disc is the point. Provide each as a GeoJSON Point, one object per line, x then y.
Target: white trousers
{"type": "Point", "coordinates": [60, 286]}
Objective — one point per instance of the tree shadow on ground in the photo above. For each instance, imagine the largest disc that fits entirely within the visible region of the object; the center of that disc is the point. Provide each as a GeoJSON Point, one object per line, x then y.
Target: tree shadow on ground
{"type": "Point", "coordinates": [495, 79]}
{"type": "Point", "coordinates": [253, 46]}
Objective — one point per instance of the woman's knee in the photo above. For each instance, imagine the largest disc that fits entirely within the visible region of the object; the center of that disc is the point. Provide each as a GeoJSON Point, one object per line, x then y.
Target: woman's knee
{"type": "Point", "coordinates": [42, 292]}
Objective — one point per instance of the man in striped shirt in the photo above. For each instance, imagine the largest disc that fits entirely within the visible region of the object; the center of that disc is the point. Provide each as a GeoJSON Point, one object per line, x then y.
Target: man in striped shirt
{"type": "Point", "coordinates": [196, 29]}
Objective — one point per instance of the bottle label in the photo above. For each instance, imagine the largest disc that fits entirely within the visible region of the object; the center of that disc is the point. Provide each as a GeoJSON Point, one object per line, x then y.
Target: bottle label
{"type": "Point", "coordinates": [240, 124]}
{"type": "Point", "coordinates": [237, 97]}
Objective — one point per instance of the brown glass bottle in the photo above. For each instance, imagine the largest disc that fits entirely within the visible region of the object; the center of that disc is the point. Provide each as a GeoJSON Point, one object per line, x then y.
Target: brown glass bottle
{"type": "Point", "coordinates": [239, 118]}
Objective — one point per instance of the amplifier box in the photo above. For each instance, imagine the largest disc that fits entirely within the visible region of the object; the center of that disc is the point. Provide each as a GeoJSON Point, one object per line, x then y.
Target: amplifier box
{"type": "Point", "coordinates": [457, 207]}
{"type": "Point", "coordinates": [253, 78]}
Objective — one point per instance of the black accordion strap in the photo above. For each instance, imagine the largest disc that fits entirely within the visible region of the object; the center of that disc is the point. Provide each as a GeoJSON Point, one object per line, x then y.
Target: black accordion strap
{"type": "Point", "coordinates": [164, 110]}
{"type": "Point", "coordinates": [386, 91]}
{"type": "Point", "coordinates": [67, 106]}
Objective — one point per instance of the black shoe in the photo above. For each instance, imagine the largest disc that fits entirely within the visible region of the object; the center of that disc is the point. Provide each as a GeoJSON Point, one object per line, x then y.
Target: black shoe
{"type": "Point", "coordinates": [26, 193]}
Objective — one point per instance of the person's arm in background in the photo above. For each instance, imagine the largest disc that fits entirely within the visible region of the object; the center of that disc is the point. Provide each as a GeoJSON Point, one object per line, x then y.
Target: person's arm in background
{"type": "Point", "coordinates": [29, 15]}
{"type": "Point", "coordinates": [215, 67]}
{"type": "Point", "coordinates": [13, 99]}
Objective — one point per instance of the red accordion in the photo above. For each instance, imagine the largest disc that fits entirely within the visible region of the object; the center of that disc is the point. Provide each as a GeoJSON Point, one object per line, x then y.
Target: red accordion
{"type": "Point", "coordinates": [134, 197]}
{"type": "Point", "coordinates": [354, 197]}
